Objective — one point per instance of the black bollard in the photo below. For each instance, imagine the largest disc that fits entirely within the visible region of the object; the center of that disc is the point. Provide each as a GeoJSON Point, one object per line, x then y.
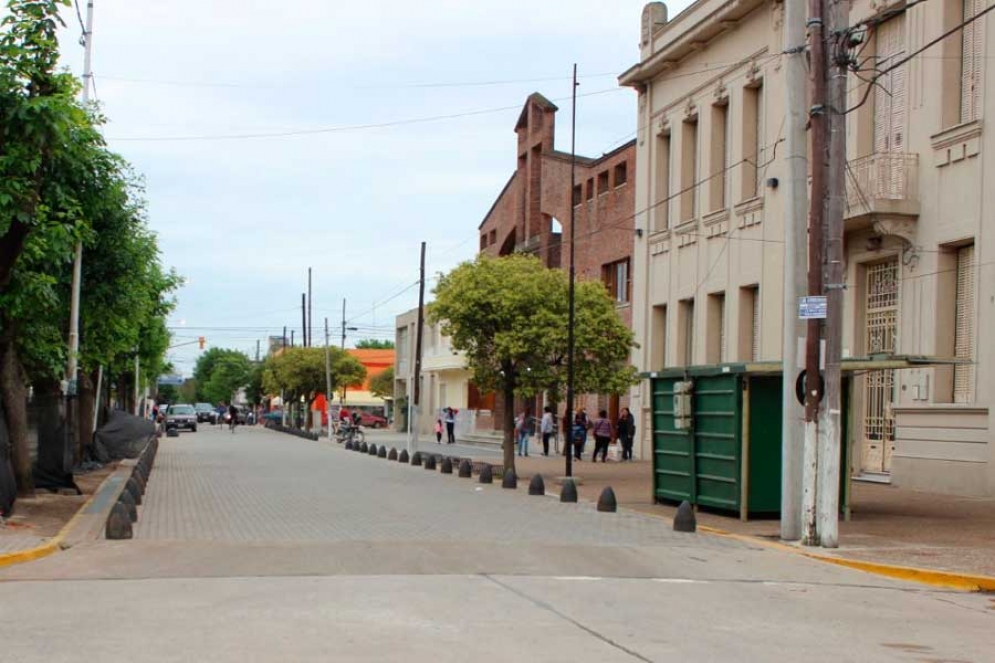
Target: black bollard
{"type": "Point", "coordinates": [139, 479]}
{"type": "Point", "coordinates": [486, 474]}
{"type": "Point", "coordinates": [537, 486]}
{"type": "Point", "coordinates": [447, 466]}
{"type": "Point", "coordinates": [363, 448]}
{"type": "Point", "coordinates": [416, 460]}
{"type": "Point", "coordinates": [465, 469]}
{"type": "Point", "coordinates": [382, 452]}
{"type": "Point", "coordinates": [393, 454]}
{"type": "Point", "coordinates": [373, 450]}
{"type": "Point", "coordinates": [134, 489]}
{"type": "Point", "coordinates": [510, 480]}
{"type": "Point", "coordinates": [607, 502]}
{"type": "Point", "coordinates": [118, 524]}
{"type": "Point", "coordinates": [129, 503]}
{"type": "Point", "coordinates": [348, 445]}
{"type": "Point", "coordinates": [430, 462]}
{"type": "Point", "coordinates": [684, 520]}
{"type": "Point", "coordinates": [569, 491]}
{"type": "Point", "coordinates": [403, 458]}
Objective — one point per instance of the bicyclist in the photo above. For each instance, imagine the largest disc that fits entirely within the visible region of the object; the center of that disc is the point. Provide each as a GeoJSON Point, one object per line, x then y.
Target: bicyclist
{"type": "Point", "coordinates": [233, 413]}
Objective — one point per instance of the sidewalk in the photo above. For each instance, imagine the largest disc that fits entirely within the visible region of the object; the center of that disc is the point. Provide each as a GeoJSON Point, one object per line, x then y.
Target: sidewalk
{"type": "Point", "coordinates": [889, 525]}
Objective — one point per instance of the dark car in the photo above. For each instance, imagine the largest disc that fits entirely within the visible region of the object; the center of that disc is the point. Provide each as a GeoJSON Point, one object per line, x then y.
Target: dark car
{"type": "Point", "coordinates": [372, 420]}
{"type": "Point", "coordinates": [206, 414]}
{"type": "Point", "coordinates": [181, 417]}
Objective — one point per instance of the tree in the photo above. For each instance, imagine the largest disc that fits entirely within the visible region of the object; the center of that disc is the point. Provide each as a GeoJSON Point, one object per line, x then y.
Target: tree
{"type": "Point", "coordinates": [300, 372]}
{"type": "Point", "coordinates": [508, 316]}
{"type": "Point", "coordinates": [188, 391]}
{"type": "Point", "coordinates": [374, 344]}
{"type": "Point", "coordinates": [220, 372]}
{"type": "Point", "coordinates": [168, 394]}
{"type": "Point", "coordinates": [382, 384]}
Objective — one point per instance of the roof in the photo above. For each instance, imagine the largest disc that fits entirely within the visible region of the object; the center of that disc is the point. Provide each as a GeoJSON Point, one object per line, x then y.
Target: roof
{"type": "Point", "coordinates": [538, 99]}
{"type": "Point", "coordinates": [375, 362]}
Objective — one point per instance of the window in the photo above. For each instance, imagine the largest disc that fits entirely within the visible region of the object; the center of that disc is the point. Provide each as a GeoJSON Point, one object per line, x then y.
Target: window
{"type": "Point", "coordinates": [685, 332]}
{"type": "Point", "coordinates": [658, 343]}
{"type": "Point", "coordinates": [661, 211]}
{"type": "Point", "coordinates": [718, 152]}
{"type": "Point", "coordinates": [493, 239]}
{"type": "Point", "coordinates": [616, 279]}
{"type": "Point", "coordinates": [715, 351]}
{"type": "Point", "coordinates": [749, 323]}
{"type": "Point", "coordinates": [964, 330]}
{"type": "Point", "coordinates": [972, 56]}
{"type": "Point", "coordinates": [689, 170]}
{"type": "Point", "coordinates": [578, 194]}
{"type": "Point", "coordinates": [621, 174]}
{"type": "Point", "coordinates": [590, 189]}
{"type": "Point", "coordinates": [603, 182]}
{"type": "Point", "coordinates": [483, 241]}
{"type": "Point", "coordinates": [890, 93]}
{"type": "Point", "coordinates": [752, 142]}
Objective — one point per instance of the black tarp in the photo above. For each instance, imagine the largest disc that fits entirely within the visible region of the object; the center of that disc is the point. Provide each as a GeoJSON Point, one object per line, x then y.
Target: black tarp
{"type": "Point", "coordinates": [123, 436]}
{"type": "Point", "coordinates": [8, 488]}
{"type": "Point", "coordinates": [53, 469]}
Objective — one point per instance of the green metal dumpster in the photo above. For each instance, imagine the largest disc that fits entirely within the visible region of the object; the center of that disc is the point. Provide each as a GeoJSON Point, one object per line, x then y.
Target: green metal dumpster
{"type": "Point", "coordinates": [727, 453]}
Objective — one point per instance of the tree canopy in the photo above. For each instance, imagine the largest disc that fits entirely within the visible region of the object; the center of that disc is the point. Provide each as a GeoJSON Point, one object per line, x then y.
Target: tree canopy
{"type": "Point", "coordinates": [374, 344]}
{"type": "Point", "coordinates": [509, 317]}
{"type": "Point", "coordinates": [300, 372]}
{"type": "Point", "coordinates": [219, 373]}
{"type": "Point", "coordinates": [382, 384]}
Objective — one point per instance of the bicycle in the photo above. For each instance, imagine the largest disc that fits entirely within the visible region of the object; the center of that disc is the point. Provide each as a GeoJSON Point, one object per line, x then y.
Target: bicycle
{"type": "Point", "coordinates": [353, 434]}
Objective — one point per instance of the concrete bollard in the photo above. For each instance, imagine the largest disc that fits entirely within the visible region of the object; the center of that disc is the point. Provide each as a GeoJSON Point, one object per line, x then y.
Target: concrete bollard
{"type": "Point", "coordinates": [537, 486]}
{"type": "Point", "coordinates": [510, 480]}
{"type": "Point", "coordinates": [569, 492]}
{"type": "Point", "coordinates": [136, 474]}
{"type": "Point", "coordinates": [403, 458]}
{"type": "Point", "coordinates": [129, 503]}
{"type": "Point", "coordinates": [465, 469]}
{"type": "Point", "coordinates": [430, 462]}
{"type": "Point", "coordinates": [382, 452]}
{"type": "Point", "coordinates": [348, 445]}
{"type": "Point", "coordinates": [393, 454]}
{"type": "Point", "coordinates": [684, 519]}
{"type": "Point", "coordinates": [118, 524]}
{"type": "Point", "coordinates": [134, 489]}
{"type": "Point", "coordinates": [363, 448]}
{"type": "Point", "coordinates": [172, 432]}
{"type": "Point", "coordinates": [607, 502]}
{"type": "Point", "coordinates": [486, 474]}
{"type": "Point", "coordinates": [447, 466]}
{"type": "Point", "coordinates": [416, 460]}
{"type": "Point", "coordinates": [373, 450]}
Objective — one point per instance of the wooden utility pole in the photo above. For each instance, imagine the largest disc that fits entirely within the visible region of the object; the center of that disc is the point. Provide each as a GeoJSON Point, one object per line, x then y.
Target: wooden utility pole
{"type": "Point", "coordinates": [818, 119]}
{"type": "Point", "coordinates": [310, 322]}
{"type": "Point", "coordinates": [304, 318]}
{"type": "Point", "coordinates": [830, 428]}
{"type": "Point", "coordinates": [328, 382]}
{"type": "Point", "coordinates": [571, 292]}
{"type": "Point", "coordinates": [415, 403]}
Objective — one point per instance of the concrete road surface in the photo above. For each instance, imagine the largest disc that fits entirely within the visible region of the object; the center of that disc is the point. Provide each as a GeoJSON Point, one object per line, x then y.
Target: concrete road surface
{"type": "Point", "coordinates": [259, 546]}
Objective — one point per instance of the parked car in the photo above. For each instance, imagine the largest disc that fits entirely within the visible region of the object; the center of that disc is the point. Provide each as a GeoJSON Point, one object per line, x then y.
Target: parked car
{"type": "Point", "coordinates": [182, 416]}
{"type": "Point", "coordinates": [206, 414]}
{"type": "Point", "coordinates": [372, 420]}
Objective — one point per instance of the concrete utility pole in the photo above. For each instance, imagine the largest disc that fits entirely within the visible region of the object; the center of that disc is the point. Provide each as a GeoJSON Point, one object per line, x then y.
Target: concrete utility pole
{"type": "Point", "coordinates": [415, 403]}
{"type": "Point", "coordinates": [304, 319]}
{"type": "Point", "coordinates": [571, 298]}
{"type": "Point", "coordinates": [818, 120]}
{"type": "Point", "coordinates": [328, 383]}
{"type": "Point", "coordinates": [829, 419]}
{"type": "Point", "coordinates": [136, 382]}
{"type": "Point", "coordinates": [795, 265]}
{"type": "Point", "coordinates": [310, 322]}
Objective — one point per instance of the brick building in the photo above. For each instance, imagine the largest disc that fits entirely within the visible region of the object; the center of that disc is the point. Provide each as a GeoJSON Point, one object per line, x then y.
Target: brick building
{"type": "Point", "coordinates": [532, 214]}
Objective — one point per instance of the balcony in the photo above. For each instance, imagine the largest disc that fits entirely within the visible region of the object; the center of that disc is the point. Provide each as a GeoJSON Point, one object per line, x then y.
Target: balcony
{"type": "Point", "coordinates": [882, 186]}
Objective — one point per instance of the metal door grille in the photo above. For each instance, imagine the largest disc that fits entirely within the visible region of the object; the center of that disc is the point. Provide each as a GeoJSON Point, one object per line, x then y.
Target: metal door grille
{"type": "Point", "coordinates": [882, 332]}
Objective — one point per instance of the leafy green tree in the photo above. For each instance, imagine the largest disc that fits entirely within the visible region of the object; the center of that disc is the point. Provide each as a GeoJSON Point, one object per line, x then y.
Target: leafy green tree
{"type": "Point", "coordinates": [374, 344]}
{"type": "Point", "coordinates": [300, 372]}
{"type": "Point", "coordinates": [168, 394]}
{"type": "Point", "coordinates": [509, 317]}
{"type": "Point", "coordinates": [254, 392]}
{"type": "Point", "coordinates": [382, 384]}
{"type": "Point", "coordinates": [188, 391]}
{"type": "Point", "coordinates": [229, 373]}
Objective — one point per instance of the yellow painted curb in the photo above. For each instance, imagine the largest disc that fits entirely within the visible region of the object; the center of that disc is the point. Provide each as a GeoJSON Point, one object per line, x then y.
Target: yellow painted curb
{"type": "Point", "coordinates": [54, 544]}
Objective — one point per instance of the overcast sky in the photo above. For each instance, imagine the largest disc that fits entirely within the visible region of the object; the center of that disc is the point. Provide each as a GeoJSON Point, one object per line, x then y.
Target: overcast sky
{"type": "Point", "coordinates": [195, 89]}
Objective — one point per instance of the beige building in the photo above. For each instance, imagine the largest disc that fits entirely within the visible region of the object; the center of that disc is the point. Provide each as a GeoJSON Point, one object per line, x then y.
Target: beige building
{"type": "Point", "coordinates": [919, 255]}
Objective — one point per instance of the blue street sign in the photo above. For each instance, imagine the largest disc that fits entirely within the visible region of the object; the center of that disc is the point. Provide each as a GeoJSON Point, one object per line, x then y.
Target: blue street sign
{"type": "Point", "coordinates": [174, 380]}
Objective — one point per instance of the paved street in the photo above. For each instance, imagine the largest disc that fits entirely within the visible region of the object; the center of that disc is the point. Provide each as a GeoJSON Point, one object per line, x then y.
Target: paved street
{"type": "Point", "coordinates": [259, 546]}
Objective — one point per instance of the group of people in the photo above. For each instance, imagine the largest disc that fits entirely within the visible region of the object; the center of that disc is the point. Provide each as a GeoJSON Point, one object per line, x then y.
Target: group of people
{"type": "Point", "coordinates": [449, 419]}
{"type": "Point", "coordinates": [623, 430]}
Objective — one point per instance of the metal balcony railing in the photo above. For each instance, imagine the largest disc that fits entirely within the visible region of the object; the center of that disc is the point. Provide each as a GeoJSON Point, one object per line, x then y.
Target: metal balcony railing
{"type": "Point", "coordinates": [882, 180]}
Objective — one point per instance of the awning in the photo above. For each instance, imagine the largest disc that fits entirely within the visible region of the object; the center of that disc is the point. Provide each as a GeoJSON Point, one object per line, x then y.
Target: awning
{"type": "Point", "coordinates": [878, 362]}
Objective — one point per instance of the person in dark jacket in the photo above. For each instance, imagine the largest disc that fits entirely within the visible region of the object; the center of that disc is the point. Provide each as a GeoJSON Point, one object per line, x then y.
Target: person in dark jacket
{"type": "Point", "coordinates": [602, 436]}
{"type": "Point", "coordinates": [625, 429]}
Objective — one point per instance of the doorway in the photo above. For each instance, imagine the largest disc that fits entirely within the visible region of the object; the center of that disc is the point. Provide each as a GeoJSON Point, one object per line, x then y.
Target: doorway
{"type": "Point", "coordinates": [881, 335]}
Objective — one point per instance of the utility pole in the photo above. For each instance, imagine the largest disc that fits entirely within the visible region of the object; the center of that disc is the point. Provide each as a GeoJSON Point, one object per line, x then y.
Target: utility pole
{"type": "Point", "coordinates": [291, 338]}
{"type": "Point", "coordinates": [571, 293]}
{"type": "Point", "coordinates": [257, 350]}
{"type": "Point", "coordinates": [310, 323]}
{"type": "Point", "coordinates": [284, 336]}
{"type": "Point", "coordinates": [304, 319]}
{"type": "Point", "coordinates": [795, 226]}
{"type": "Point", "coordinates": [342, 393]}
{"type": "Point", "coordinates": [328, 383]}
{"type": "Point", "coordinates": [137, 366]}
{"type": "Point", "coordinates": [818, 118]}
{"type": "Point", "coordinates": [415, 403]}
{"type": "Point", "coordinates": [829, 421]}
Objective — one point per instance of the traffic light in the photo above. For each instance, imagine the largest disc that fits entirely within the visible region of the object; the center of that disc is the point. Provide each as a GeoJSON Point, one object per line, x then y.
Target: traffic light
{"type": "Point", "coordinates": [201, 342]}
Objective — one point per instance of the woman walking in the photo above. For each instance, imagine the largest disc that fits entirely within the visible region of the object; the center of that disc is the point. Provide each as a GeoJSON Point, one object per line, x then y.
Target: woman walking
{"type": "Point", "coordinates": [579, 430]}
{"type": "Point", "coordinates": [450, 426]}
{"type": "Point", "coordinates": [525, 428]}
{"type": "Point", "coordinates": [546, 428]}
{"type": "Point", "coordinates": [625, 428]}
{"type": "Point", "coordinates": [602, 436]}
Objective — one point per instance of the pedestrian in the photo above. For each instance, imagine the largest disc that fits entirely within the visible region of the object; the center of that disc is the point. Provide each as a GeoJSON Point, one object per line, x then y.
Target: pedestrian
{"type": "Point", "coordinates": [450, 425]}
{"type": "Point", "coordinates": [625, 429]}
{"type": "Point", "coordinates": [602, 436]}
{"type": "Point", "coordinates": [438, 431]}
{"type": "Point", "coordinates": [580, 426]}
{"type": "Point", "coordinates": [233, 413]}
{"type": "Point", "coordinates": [546, 428]}
{"type": "Point", "coordinates": [525, 429]}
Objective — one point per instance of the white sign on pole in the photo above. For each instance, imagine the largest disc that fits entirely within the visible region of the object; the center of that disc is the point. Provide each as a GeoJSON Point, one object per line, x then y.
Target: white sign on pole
{"type": "Point", "coordinates": [812, 308]}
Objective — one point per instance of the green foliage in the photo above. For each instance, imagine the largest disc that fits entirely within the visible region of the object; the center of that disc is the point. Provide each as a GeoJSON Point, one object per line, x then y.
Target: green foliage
{"type": "Point", "coordinates": [301, 372]}
{"type": "Point", "coordinates": [220, 372]}
{"type": "Point", "coordinates": [382, 384]}
{"type": "Point", "coordinates": [374, 344]}
{"type": "Point", "coordinates": [254, 391]}
{"type": "Point", "coordinates": [168, 394]}
{"type": "Point", "coordinates": [188, 391]}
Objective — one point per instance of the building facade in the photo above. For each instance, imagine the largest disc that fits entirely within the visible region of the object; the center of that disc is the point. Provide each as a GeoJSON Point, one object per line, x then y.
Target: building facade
{"type": "Point", "coordinates": [918, 250]}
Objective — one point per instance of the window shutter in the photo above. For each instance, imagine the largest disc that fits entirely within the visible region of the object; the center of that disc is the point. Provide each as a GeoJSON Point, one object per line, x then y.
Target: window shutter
{"type": "Point", "coordinates": [890, 95]}
{"type": "Point", "coordinates": [964, 333]}
{"type": "Point", "coordinates": [971, 59]}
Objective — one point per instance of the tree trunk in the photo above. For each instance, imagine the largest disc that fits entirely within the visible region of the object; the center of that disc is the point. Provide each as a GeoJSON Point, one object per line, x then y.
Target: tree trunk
{"type": "Point", "coordinates": [15, 404]}
{"type": "Point", "coordinates": [509, 427]}
{"type": "Point", "coordinates": [85, 402]}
